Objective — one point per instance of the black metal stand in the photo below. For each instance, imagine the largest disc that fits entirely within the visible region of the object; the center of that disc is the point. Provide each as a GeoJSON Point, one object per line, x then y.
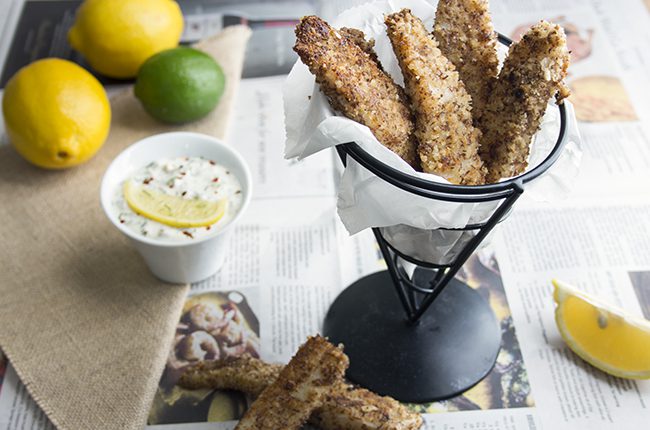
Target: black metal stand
{"type": "Point", "coordinates": [446, 338]}
{"type": "Point", "coordinates": [447, 352]}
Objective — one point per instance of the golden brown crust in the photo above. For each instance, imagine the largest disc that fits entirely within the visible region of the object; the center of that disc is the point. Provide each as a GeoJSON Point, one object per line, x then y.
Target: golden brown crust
{"type": "Point", "coordinates": [532, 74]}
{"type": "Point", "coordinates": [359, 38]}
{"type": "Point", "coordinates": [244, 373]}
{"type": "Point", "coordinates": [448, 142]}
{"type": "Point", "coordinates": [345, 407]}
{"type": "Point", "coordinates": [356, 86]}
{"type": "Point", "coordinates": [301, 387]}
{"type": "Point", "coordinates": [351, 408]}
{"type": "Point", "coordinates": [466, 36]}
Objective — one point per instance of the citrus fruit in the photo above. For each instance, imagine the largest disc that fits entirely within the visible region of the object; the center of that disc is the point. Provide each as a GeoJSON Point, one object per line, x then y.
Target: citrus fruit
{"type": "Point", "coordinates": [117, 36]}
{"type": "Point", "coordinates": [602, 335]}
{"type": "Point", "coordinates": [179, 85]}
{"type": "Point", "coordinates": [173, 211]}
{"type": "Point", "coordinates": [56, 113]}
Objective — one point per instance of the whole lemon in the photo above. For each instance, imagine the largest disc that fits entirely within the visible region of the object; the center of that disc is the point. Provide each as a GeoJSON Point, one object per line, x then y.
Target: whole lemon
{"type": "Point", "coordinates": [117, 36]}
{"type": "Point", "coordinates": [57, 114]}
{"type": "Point", "coordinates": [179, 85]}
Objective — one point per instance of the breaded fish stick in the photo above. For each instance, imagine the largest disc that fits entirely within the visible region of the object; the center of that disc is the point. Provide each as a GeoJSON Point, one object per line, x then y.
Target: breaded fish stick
{"type": "Point", "coordinates": [448, 142]}
{"type": "Point", "coordinates": [356, 86]}
{"type": "Point", "coordinates": [345, 407]}
{"type": "Point", "coordinates": [301, 387]}
{"type": "Point", "coordinates": [466, 36]}
{"type": "Point", "coordinates": [359, 38]}
{"type": "Point", "coordinates": [533, 72]}
{"type": "Point", "coordinates": [350, 408]}
{"type": "Point", "coordinates": [244, 373]}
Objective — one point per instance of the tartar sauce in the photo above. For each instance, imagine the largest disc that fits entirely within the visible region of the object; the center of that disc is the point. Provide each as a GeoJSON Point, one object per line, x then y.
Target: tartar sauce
{"type": "Point", "coordinates": [186, 177]}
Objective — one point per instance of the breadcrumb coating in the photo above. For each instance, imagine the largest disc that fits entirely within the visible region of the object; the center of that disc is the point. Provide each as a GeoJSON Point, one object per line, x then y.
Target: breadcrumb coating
{"type": "Point", "coordinates": [466, 36]}
{"type": "Point", "coordinates": [355, 85]}
{"type": "Point", "coordinates": [344, 407]}
{"type": "Point", "coordinates": [532, 74]}
{"type": "Point", "coordinates": [244, 373]}
{"type": "Point", "coordinates": [301, 387]}
{"type": "Point", "coordinates": [448, 142]}
{"type": "Point", "coordinates": [350, 408]}
{"type": "Point", "coordinates": [359, 38]}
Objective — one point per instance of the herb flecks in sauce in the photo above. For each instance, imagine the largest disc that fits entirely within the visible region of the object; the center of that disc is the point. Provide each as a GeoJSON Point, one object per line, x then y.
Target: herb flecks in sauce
{"type": "Point", "coordinates": [195, 178]}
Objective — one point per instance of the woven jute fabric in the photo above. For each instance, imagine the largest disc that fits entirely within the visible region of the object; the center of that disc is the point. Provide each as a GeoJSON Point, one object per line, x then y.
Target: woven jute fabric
{"type": "Point", "coordinates": [83, 322]}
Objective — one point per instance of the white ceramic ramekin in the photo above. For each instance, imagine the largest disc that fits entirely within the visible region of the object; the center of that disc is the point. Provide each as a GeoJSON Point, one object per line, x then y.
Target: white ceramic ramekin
{"type": "Point", "coordinates": [169, 260]}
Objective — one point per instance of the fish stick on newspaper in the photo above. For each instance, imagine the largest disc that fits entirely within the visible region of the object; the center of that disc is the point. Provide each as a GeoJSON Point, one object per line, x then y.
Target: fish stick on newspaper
{"type": "Point", "coordinates": [531, 75]}
{"type": "Point", "coordinates": [345, 407]}
{"type": "Point", "coordinates": [448, 142]}
{"type": "Point", "coordinates": [244, 373]}
{"type": "Point", "coordinates": [466, 36]}
{"type": "Point", "coordinates": [301, 387]}
{"type": "Point", "coordinates": [351, 408]}
{"type": "Point", "coordinates": [355, 85]}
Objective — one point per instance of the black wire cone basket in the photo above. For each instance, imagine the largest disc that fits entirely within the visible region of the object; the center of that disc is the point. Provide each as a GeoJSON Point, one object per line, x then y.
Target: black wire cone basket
{"type": "Point", "coordinates": [444, 338]}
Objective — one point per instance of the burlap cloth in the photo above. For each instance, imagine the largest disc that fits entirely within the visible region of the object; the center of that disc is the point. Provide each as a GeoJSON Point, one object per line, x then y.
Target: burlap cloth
{"type": "Point", "coordinates": [85, 325]}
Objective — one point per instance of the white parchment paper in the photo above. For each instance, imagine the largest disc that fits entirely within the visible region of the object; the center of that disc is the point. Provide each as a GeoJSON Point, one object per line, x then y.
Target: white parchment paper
{"type": "Point", "coordinates": [365, 200]}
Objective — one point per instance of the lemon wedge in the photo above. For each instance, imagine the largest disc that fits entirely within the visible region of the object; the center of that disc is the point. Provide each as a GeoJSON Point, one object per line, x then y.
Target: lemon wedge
{"type": "Point", "coordinates": [172, 210]}
{"type": "Point", "coordinates": [601, 334]}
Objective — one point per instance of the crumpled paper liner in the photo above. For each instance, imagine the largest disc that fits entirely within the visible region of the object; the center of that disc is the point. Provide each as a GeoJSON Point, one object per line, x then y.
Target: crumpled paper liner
{"type": "Point", "coordinates": [83, 322]}
{"type": "Point", "coordinates": [366, 201]}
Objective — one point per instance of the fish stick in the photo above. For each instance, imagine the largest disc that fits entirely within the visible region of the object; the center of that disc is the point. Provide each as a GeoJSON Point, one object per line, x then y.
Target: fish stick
{"type": "Point", "coordinates": [359, 38]}
{"type": "Point", "coordinates": [532, 74]}
{"type": "Point", "coordinates": [466, 36]}
{"type": "Point", "coordinates": [448, 142]}
{"type": "Point", "coordinates": [368, 46]}
{"type": "Point", "coordinates": [301, 387]}
{"type": "Point", "coordinates": [244, 373]}
{"type": "Point", "coordinates": [356, 86]}
{"type": "Point", "coordinates": [345, 407]}
{"type": "Point", "coordinates": [350, 408]}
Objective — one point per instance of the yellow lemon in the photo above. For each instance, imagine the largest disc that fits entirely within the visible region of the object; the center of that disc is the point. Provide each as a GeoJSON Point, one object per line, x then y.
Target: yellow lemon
{"type": "Point", "coordinates": [56, 113]}
{"type": "Point", "coordinates": [172, 210]}
{"type": "Point", "coordinates": [117, 36]}
{"type": "Point", "coordinates": [602, 335]}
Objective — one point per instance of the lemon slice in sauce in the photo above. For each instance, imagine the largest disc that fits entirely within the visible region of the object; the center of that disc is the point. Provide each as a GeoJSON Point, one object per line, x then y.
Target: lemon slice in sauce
{"type": "Point", "coordinates": [173, 211]}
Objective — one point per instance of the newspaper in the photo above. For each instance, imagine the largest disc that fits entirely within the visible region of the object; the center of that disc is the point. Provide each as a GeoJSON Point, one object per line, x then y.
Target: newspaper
{"type": "Point", "coordinates": [33, 29]}
{"type": "Point", "coordinates": [291, 255]}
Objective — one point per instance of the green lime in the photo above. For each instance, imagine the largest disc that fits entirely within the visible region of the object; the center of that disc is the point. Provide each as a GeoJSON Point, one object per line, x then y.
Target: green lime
{"type": "Point", "coordinates": [179, 85]}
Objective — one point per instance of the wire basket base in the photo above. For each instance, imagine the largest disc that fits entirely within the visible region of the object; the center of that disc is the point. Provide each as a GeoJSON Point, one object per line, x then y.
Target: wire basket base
{"type": "Point", "coordinates": [452, 348]}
